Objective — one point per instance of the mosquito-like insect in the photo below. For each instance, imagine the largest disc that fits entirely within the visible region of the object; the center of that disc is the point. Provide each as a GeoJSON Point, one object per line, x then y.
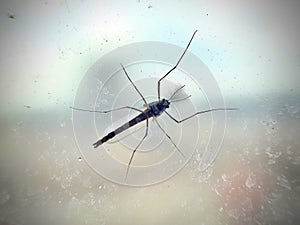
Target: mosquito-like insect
{"type": "Point", "coordinates": [153, 110]}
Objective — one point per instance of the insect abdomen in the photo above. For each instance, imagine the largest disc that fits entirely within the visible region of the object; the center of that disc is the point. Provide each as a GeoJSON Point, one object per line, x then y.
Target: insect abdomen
{"type": "Point", "coordinates": [104, 139]}
{"type": "Point", "coordinates": [141, 117]}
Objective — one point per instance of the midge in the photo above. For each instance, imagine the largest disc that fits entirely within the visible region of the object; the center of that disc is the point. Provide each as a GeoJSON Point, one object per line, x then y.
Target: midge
{"type": "Point", "coordinates": [153, 110]}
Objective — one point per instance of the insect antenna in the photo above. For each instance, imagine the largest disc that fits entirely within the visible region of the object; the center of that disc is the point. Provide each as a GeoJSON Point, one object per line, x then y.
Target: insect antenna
{"type": "Point", "coordinates": [178, 89]}
{"type": "Point", "coordinates": [181, 99]}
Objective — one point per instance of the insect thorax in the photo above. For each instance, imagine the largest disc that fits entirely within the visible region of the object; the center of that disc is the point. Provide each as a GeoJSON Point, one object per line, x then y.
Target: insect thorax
{"type": "Point", "coordinates": [158, 107]}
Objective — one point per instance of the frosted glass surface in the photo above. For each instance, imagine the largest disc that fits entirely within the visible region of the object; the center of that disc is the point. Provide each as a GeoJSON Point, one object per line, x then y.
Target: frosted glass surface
{"type": "Point", "coordinates": [251, 50]}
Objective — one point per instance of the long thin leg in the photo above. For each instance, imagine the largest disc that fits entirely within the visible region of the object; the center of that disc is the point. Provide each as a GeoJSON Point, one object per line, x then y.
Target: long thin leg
{"type": "Point", "coordinates": [158, 84]}
{"type": "Point", "coordinates": [197, 113]}
{"type": "Point", "coordinates": [168, 136]}
{"type": "Point", "coordinates": [146, 104]}
{"type": "Point", "coordinates": [131, 158]}
{"type": "Point", "coordinates": [106, 111]}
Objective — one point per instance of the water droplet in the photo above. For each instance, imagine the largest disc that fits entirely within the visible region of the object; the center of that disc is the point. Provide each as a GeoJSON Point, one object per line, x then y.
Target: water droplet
{"type": "Point", "coordinates": [249, 182]}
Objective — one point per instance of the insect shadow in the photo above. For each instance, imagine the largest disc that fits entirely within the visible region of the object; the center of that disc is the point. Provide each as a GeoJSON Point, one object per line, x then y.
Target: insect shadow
{"type": "Point", "coordinates": [153, 110]}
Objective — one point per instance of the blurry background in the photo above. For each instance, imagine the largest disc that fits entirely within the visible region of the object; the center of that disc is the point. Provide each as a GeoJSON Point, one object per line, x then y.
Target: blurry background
{"type": "Point", "coordinates": [252, 49]}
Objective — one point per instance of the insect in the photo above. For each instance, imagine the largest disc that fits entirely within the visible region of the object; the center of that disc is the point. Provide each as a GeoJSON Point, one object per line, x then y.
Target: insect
{"type": "Point", "coordinates": [153, 109]}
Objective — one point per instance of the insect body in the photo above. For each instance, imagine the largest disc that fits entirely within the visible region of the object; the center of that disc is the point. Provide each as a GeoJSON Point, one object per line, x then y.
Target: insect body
{"type": "Point", "coordinates": [153, 110]}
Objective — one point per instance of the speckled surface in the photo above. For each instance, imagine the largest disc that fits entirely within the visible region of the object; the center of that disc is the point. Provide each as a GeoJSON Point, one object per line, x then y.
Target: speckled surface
{"type": "Point", "coordinates": [251, 49]}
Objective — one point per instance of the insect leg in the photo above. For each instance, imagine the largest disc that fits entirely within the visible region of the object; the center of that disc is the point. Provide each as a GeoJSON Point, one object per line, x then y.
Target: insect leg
{"type": "Point", "coordinates": [168, 136]}
{"type": "Point", "coordinates": [131, 158]}
{"type": "Point", "coordinates": [134, 85]}
{"type": "Point", "coordinates": [106, 111]}
{"type": "Point", "coordinates": [158, 83]}
{"type": "Point", "coordinates": [197, 113]}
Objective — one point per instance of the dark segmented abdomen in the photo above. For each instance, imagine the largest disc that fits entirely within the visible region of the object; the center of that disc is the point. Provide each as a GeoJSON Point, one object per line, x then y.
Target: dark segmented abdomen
{"type": "Point", "coordinates": [139, 118]}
